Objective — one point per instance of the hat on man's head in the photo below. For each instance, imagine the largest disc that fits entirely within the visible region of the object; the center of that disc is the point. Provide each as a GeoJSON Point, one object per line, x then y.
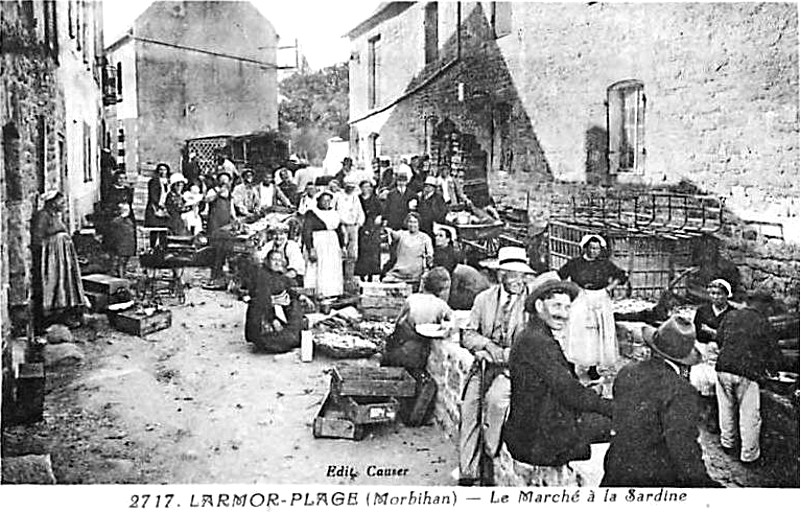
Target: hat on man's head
{"type": "Point", "coordinates": [512, 259]}
{"type": "Point", "coordinates": [50, 195]}
{"type": "Point", "coordinates": [248, 170]}
{"type": "Point", "coordinates": [673, 340]}
{"type": "Point", "coordinates": [432, 181]}
{"type": "Point", "coordinates": [549, 282]}
{"type": "Point", "coordinates": [278, 227]}
{"type": "Point", "coordinates": [350, 181]}
{"type": "Point", "coordinates": [347, 160]}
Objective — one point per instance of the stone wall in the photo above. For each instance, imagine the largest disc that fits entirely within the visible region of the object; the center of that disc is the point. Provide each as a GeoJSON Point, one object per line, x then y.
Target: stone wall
{"type": "Point", "coordinates": [721, 83]}
{"type": "Point", "coordinates": [449, 365]}
{"type": "Point", "coordinates": [32, 119]}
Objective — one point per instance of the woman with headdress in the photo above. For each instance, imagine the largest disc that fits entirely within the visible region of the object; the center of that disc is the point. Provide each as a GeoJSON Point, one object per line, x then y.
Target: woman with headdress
{"type": "Point", "coordinates": [591, 338]}
{"type": "Point", "coordinates": [445, 252]}
{"type": "Point", "coordinates": [275, 315]}
{"type": "Point", "coordinates": [58, 290]}
{"type": "Point", "coordinates": [295, 265]}
{"type": "Point", "coordinates": [369, 261]}
{"type": "Point", "coordinates": [322, 246]}
{"type": "Point", "coordinates": [176, 205]}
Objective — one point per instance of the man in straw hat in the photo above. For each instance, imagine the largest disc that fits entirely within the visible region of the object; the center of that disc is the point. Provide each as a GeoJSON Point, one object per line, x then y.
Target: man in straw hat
{"type": "Point", "coordinates": [749, 353]}
{"type": "Point", "coordinates": [431, 206]}
{"type": "Point", "coordinates": [655, 416]}
{"type": "Point", "coordinates": [497, 315]}
{"type": "Point", "coordinates": [553, 417]}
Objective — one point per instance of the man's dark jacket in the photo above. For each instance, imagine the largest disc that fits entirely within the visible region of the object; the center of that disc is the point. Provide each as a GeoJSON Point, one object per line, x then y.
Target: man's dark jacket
{"type": "Point", "coordinates": [431, 209]}
{"type": "Point", "coordinates": [655, 418]}
{"type": "Point", "coordinates": [396, 207]}
{"type": "Point", "coordinates": [544, 426]}
{"type": "Point", "coordinates": [748, 345]}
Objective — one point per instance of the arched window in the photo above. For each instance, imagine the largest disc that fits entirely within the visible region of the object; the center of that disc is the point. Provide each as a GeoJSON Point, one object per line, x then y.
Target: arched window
{"type": "Point", "coordinates": [626, 126]}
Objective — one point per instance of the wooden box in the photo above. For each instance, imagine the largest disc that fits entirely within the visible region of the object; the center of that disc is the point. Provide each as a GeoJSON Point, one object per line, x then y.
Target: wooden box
{"type": "Point", "coordinates": [331, 421]}
{"type": "Point", "coordinates": [363, 410]}
{"type": "Point", "coordinates": [372, 382]}
{"type": "Point", "coordinates": [140, 324]}
{"type": "Point", "coordinates": [102, 283]}
{"type": "Point", "coordinates": [385, 290]}
{"type": "Point", "coordinates": [30, 393]}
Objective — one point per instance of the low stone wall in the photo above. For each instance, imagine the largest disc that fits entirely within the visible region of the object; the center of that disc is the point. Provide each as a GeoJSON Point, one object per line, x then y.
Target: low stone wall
{"type": "Point", "coordinates": [449, 365]}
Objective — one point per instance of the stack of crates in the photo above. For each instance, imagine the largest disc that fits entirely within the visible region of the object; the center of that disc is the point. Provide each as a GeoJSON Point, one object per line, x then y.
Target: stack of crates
{"type": "Point", "coordinates": [361, 397]}
{"type": "Point", "coordinates": [651, 261]}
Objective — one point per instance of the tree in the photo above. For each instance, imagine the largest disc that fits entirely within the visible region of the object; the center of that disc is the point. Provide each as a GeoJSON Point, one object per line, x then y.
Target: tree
{"type": "Point", "coordinates": [313, 108]}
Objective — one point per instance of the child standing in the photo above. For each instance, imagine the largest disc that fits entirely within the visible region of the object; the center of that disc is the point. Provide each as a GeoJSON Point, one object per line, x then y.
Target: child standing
{"type": "Point", "coordinates": [123, 238]}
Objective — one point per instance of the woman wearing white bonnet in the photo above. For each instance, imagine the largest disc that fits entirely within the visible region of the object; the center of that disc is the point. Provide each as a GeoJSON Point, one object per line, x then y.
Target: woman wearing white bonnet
{"type": "Point", "coordinates": [591, 337]}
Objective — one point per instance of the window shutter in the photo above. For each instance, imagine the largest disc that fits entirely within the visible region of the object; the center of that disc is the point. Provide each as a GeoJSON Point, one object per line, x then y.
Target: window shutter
{"type": "Point", "coordinates": [640, 132]}
{"type": "Point", "coordinates": [614, 113]}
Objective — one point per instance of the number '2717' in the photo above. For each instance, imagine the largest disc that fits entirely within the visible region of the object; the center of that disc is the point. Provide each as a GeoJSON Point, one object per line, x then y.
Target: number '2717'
{"type": "Point", "coordinates": [158, 501]}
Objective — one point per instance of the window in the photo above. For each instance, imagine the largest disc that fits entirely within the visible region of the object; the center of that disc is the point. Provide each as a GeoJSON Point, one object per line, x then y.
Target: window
{"type": "Point", "coordinates": [51, 27]}
{"type": "Point", "coordinates": [11, 161]}
{"type": "Point", "coordinates": [501, 18]}
{"type": "Point", "coordinates": [71, 18]}
{"type": "Point", "coordinates": [431, 27]}
{"type": "Point", "coordinates": [626, 125]}
{"type": "Point", "coordinates": [41, 153]}
{"type": "Point", "coordinates": [373, 65]}
{"type": "Point", "coordinates": [87, 153]}
{"type": "Point", "coordinates": [119, 79]}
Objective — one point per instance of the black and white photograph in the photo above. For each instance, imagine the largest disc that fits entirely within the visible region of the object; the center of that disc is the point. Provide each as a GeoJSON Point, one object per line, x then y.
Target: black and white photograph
{"type": "Point", "coordinates": [339, 255]}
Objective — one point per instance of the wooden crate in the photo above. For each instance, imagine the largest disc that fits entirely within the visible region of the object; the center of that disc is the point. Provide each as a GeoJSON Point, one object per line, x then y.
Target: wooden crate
{"type": "Point", "coordinates": [102, 283]}
{"type": "Point", "coordinates": [385, 290]}
{"type": "Point", "coordinates": [651, 261]}
{"type": "Point", "coordinates": [372, 382]}
{"type": "Point", "coordinates": [364, 410]}
{"type": "Point", "coordinates": [331, 421]}
{"type": "Point", "coordinates": [140, 324]}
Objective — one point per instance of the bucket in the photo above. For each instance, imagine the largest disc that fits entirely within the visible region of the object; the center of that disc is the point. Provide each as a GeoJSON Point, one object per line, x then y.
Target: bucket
{"type": "Point", "coordinates": [306, 346]}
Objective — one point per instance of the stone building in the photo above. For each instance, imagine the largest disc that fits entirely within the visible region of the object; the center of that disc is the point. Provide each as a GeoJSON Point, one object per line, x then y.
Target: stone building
{"type": "Point", "coordinates": [191, 69]}
{"type": "Point", "coordinates": [590, 93]}
{"type": "Point", "coordinates": [50, 113]}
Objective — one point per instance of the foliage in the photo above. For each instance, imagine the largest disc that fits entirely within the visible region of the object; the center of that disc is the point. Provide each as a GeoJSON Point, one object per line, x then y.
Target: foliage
{"type": "Point", "coordinates": [314, 108]}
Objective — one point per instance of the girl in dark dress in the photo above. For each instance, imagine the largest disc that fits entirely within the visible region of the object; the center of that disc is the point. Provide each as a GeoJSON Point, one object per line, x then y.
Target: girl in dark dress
{"type": "Point", "coordinates": [591, 338]}
{"type": "Point", "coordinates": [122, 238]}
{"type": "Point", "coordinates": [274, 315]}
{"type": "Point", "coordinates": [158, 187]}
{"type": "Point", "coordinates": [368, 262]}
{"type": "Point", "coordinates": [176, 206]}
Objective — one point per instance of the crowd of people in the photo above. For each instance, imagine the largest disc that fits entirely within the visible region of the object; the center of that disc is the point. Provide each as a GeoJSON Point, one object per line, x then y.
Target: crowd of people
{"type": "Point", "coordinates": [536, 338]}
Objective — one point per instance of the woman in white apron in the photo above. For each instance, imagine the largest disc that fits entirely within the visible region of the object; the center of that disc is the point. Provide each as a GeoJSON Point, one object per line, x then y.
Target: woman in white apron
{"type": "Point", "coordinates": [322, 247]}
{"type": "Point", "coordinates": [591, 338]}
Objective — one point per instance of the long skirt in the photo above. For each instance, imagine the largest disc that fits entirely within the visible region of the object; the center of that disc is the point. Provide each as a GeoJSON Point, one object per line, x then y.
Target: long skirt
{"type": "Point", "coordinates": [591, 338]}
{"type": "Point", "coordinates": [325, 275]}
{"type": "Point", "coordinates": [61, 276]}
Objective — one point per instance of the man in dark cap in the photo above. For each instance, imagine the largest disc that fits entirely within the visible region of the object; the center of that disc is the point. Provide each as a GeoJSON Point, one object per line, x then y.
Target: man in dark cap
{"type": "Point", "coordinates": [553, 417]}
{"type": "Point", "coordinates": [656, 416]}
{"type": "Point", "coordinates": [749, 352]}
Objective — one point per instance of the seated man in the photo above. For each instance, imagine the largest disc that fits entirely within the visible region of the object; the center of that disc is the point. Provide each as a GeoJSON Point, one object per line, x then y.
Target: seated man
{"type": "Point", "coordinates": [495, 318]}
{"type": "Point", "coordinates": [656, 416]}
{"type": "Point", "coordinates": [406, 348]}
{"type": "Point", "coordinates": [548, 421]}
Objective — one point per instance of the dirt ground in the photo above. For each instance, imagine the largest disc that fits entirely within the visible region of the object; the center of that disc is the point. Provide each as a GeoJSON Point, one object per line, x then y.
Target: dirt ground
{"type": "Point", "coordinates": [194, 404]}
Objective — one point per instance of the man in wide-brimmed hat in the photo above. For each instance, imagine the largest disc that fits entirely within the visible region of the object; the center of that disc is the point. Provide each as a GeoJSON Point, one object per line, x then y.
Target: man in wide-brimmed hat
{"type": "Point", "coordinates": [656, 416]}
{"type": "Point", "coordinates": [431, 206]}
{"type": "Point", "coordinates": [497, 315]}
{"type": "Point", "coordinates": [553, 417]}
